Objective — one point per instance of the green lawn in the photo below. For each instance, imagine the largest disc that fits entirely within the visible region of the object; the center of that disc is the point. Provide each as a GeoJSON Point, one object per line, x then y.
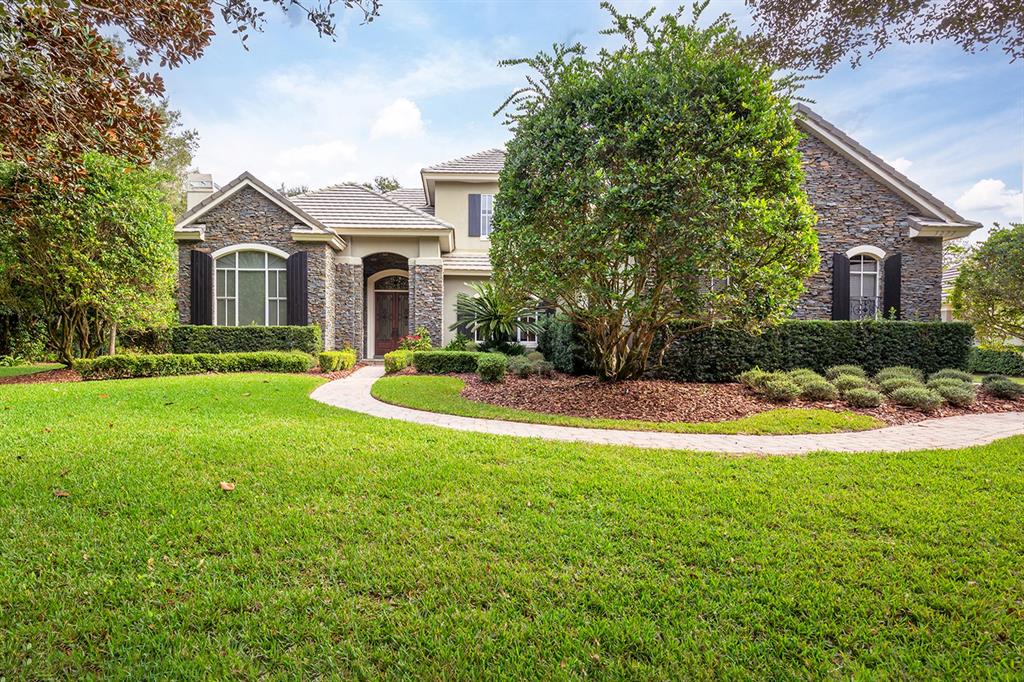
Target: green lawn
{"type": "Point", "coordinates": [20, 370]}
{"type": "Point", "coordinates": [443, 394]}
{"type": "Point", "coordinates": [979, 377]}
{"type": "Point", "coordinates": [358, 547]}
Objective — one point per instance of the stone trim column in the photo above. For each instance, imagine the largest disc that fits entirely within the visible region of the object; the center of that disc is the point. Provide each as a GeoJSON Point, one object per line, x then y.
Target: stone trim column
{"type": "Point", "coordinates": [426, 296]}
{"type": "Point", "coordinates": [348, 303]}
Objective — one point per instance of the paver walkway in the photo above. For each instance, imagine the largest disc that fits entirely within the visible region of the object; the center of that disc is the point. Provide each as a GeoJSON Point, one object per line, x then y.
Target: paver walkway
{"type": "Point", "coordinates": [353, 393]}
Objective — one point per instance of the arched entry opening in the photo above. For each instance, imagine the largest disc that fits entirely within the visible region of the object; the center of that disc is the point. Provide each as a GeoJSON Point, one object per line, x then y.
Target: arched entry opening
{"type": "Point", "coordinates": [387, 302]}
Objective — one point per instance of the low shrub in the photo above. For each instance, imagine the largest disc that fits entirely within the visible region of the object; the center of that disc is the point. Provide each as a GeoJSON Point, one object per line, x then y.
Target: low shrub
{"type": "Point", "coordinates": [445, 361]}
{"type": "Point", "coordinates": [845, 370]}
{"type": "Point", "coordinates": [957, 394]}
{"type": "Point", "coordinates": [503, 347]}
{"type": "Point", "coordinates": [461, 342]}
{"type": "Point", "coordinates": [418, 341]}
{"type": "Point", "coordinates": [1003, 388]}
{"type": "Point", "coordinates": [848, 382]}
{"type": "Point", "coordinates": [397, 360]}
{"type": "Point", "coordinates": [957, 374]}
{"type": "Point", "coordinates": [211, 339]}
{"type": "Point", "coordinates": [1006, 361]}
{"type": "Point", "coordinates": [543, 368]}
{"type": "Point", "coordinates": [804, 376]}
{"type": "Point", "coordinates": [917, 397]}
{"type": "Point", "coordinates": [863, 397]}
{"type": "Point", "coordinates": [535, 356]}
{"type": "Point", "coordinates": [132, 366]}
{"type": "Point", "coordinates": [899, 371]}
{"type": "Point", "coordinates": [895, 383]}
{"type": "Point", "coordinates": [755, 378]}
{"type": "Point", "coordinates": [145, 340]}
{"type": "Point", "coordinates": [947, 382]}
{"type": "Point", "coordinates": [10, 361]}
{"type": "Point", "coordinates": [337, 360]}
{"type": "Point", "coordinates": [520, 366]}
{"type": "Point", "coordinates": [780, 389]}
{"type": "Point", "coordinates": [491, 366]}
{"type": "Point", "coordinates": [818, 389]}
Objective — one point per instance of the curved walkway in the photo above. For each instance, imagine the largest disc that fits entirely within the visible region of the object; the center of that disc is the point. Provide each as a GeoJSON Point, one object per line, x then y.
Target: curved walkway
{"type": "Point", "coordinates": [353, 393]}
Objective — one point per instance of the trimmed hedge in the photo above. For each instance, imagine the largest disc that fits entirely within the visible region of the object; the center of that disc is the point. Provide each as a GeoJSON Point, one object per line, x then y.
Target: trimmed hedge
{"type": "Point", "coordinates": [211, 339]}
{"type": "Point", "coordinates": [997, 361]}
{"type": "Point", "coordinates": [719, 354]}
{"type": "Point", "coordinates": [132, 366]}
{"type": "Point", "coordinates": [490, 367]}
{"type": "Point", "coordinates": [445, 361]}
{"type": "Point", "coordinates": [337, 360]}
{"type": "Point", "coordinates": [397, 360]}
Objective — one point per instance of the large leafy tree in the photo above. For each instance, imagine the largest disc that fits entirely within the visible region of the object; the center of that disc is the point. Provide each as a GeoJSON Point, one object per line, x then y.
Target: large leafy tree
{"type": "Point", "coordinates": [988, 290]}
{"type": "Point", "coordinates": [819, 33]}
{"type": "Point", "coordinates": [87, 259]}
{"type": "Point", "coordinates": [657, 181]}
{"type": "Point", "coordinates": [67, 86]}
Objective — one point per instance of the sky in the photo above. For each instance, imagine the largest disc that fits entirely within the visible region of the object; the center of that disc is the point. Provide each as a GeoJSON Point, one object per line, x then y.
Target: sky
{"type": "Point", "coordinates": [419, 85]}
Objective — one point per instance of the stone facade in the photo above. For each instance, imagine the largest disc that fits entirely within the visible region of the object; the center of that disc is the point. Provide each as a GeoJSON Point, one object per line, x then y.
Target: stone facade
{"type": "Point", "coordinates": [854, 209]}
{"type": "Point", "coordinates": [248, 217]}
{"type": "Point", "coordinates": [426, 298]}
{"type": "Point", "coordinates": [350, 303]}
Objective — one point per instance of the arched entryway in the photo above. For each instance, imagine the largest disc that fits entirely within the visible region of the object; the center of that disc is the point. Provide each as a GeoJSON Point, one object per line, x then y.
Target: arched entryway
{"type": "Point", "coordinates": [388, 314]}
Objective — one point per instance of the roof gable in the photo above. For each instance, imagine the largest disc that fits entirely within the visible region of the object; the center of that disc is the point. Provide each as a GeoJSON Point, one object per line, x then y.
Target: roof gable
{"type": "Point", "coordinates": [489, 161]}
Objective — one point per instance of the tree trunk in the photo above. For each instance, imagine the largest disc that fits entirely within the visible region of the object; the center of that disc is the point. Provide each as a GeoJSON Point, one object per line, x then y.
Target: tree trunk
{"type": "Point", "coordinates": [112, 348]}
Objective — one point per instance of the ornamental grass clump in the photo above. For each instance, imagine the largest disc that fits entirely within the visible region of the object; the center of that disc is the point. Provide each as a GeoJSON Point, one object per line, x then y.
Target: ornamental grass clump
{"type": "Point", "coordinates": [818, 389]}
{"type": "Point", "coordinates": [1002, 388]}
{"type": "Point", "coordinates": [957, 374]}
{"type": "Point", "coordinates": [837, 371]}
{"type": "Point", "coordinates": [899, 371]}
{"type": "Point", "coordinates": [847, 382]}
{"type": "Point", "coordinates": [917, 397]}
{"type": "Point", "coordinates": [863, 397]}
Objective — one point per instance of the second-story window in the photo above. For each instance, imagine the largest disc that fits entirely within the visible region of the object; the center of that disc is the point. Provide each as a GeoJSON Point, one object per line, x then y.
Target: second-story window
{"type": "Point", "coordinates": [486, 213]}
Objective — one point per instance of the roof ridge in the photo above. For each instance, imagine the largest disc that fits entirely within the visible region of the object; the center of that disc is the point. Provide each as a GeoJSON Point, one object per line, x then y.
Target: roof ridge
{"type": "Point", "coordinates": [466, 157]}
{"type": "Point", "coordinates": [406, 207]}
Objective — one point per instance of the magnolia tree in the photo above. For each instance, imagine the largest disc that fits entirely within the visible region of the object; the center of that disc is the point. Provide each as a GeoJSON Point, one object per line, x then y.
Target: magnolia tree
{"type": "Point", "coordinates": [989, 291]}
{"type": "Point", "coordinates": [89, 259]}
{"type": "Point", "coordinates": [653, 182]}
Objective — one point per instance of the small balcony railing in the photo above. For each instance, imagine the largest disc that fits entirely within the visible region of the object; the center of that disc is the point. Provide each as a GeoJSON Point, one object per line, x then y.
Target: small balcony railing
{"type": "Point", "coordinates": [864, 307]}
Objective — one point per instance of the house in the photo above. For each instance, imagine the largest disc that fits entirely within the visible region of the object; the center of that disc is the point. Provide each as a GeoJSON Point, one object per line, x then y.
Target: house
{"type": "Point", "coordinates": [368, 268]}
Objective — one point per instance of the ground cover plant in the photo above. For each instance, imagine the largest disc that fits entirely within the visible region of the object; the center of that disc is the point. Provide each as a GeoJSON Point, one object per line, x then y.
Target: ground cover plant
{"type": "Point", "coordinates": [21, 370]}
{"type": "Point", "coordinates": [356, 547]}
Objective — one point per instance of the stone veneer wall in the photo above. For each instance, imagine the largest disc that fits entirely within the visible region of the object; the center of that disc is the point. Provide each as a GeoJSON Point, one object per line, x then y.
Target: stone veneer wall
{"type": "Point", "coordinates": [248, 217]}
{"type": "Point", "coordinates": [855, 209]}
{"type": "Point", "coordinates": [426, 299]}
{"type": "Point", "coordinates": [350, 303]}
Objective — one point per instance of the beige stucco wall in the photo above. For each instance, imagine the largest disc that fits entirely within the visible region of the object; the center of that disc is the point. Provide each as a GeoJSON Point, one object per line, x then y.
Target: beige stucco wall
{"type": "Point", "coordinates": [453, 286]}
{"type": "Point", "coordinates": [410, 247]}
{"type": "Point", "coordinates": [451, 204]}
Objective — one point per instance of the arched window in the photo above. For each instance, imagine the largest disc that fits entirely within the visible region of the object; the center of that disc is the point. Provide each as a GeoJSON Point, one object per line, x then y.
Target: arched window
{"type": "Point", "coordinates": [251, 289]}
{"type": "Point", "coordinates": [864, 271]}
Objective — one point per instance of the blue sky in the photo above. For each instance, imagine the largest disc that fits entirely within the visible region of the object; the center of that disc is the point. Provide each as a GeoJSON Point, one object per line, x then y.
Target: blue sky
{"type": "Point", "coordinates": [420, 83]}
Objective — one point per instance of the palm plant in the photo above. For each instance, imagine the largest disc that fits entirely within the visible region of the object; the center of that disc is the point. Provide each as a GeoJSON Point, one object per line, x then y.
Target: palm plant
{"type": "Point", "coordinates": [494, 315]}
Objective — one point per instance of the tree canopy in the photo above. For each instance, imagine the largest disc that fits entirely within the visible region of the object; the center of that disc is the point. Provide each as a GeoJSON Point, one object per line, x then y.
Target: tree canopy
{"type": "Point", "coordinates": [85, 260]}
{"type": "Point", "coordinates": [820, 33]}
{"type": "Point", "coordinates": [989, 291]}
{"type": "Point", "coordinates": [657, 181]}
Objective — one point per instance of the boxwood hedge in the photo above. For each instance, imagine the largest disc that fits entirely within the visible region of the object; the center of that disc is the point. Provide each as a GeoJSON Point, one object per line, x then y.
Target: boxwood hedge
{"type": "Point", "coordinates": [445, 361]}
{"type": "Point", "coordinates": [211, 339]}
{"type": "Point", "coordinates": [997, 361]}
{"type": "Point", "coordinates": [719, 354]}
{"type": "Point", "coordinates": [131, 366]}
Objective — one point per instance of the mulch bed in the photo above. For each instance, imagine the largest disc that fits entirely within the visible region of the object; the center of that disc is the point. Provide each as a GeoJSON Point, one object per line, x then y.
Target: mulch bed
{"type": "Point", "coordinates": [52, 376]}
{"type": "Point", "coordinates": [668, 401]}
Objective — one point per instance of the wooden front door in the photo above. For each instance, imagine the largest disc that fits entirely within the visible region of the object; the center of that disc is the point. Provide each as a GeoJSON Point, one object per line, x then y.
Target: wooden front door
{"type": "Point", "coordinates": [390, 320]}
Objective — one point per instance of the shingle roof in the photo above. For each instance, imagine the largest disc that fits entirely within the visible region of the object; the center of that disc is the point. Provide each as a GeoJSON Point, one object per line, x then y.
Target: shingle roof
{"type": "Point", "coordinates": [466, 260]}
{"type": "Point", "coordinates": [352, 205]}
{"type": "Point", "coordinates": [411, 196]}
{"type": "Point", "coordinates": [489, 161]}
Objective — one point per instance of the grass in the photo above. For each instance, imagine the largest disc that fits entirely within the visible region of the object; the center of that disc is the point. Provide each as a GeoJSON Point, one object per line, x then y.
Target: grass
{"type": "Point", "coordinates": [979, 377]}
{"type": "Point", "coordinates": [21, 370]}
{"type": "Point", "coordinates": [443, 394]}
{"type": "Point", "coordinates": [358, 547]}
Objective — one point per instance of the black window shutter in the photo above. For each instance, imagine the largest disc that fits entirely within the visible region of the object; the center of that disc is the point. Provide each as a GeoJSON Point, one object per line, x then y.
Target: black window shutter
{"type": "Point", "coordinates": [893, 268]}
{"type": "Point", "coordinates": [474, 215]}
{"type": "Point", "coordinates": [297, 275]}
{"type": "Point", "coordinates": [201, 294]}
{"type": "Point", "coordinates": [840, 287]}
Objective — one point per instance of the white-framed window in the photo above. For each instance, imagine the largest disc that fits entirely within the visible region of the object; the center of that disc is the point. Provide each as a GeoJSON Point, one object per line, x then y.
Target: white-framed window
{"type": "Point", "coordinates": [486, 215]}
{"type": "Point", "coordinates": [864, 273]}
{"type": "Point", "coordinates": [527, 338]}
{"type": "Point", "coordinates": [251, 289]}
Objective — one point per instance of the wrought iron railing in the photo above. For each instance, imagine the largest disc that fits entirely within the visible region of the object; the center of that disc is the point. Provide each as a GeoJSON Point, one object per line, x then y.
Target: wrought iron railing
{"type": "Point", "coordinates": [863, 307]}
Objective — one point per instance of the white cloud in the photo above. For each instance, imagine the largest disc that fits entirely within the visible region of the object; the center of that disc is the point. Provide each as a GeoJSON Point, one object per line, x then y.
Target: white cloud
{"type": "Point", "coordinates": [990, 195]}
{"type": "Point", "coordinates": [401, 118]}
{"type": "Point", "coordinates": [899, 163]}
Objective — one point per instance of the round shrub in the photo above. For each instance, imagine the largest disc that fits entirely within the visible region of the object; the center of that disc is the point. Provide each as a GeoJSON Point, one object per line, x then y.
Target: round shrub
{"type": "Point", "coordinates": [895, 383]}
{"type": "Point", "coordinates": [846, 382]}
{"type": "Point", "coordinates": [899, 371]}
{"type": "Point", "coordinates": [520, 366]}
{"type": "Point", "coordinates": [934, 384]}
{"type": "Point", "coordinates": [803, 376]}
{"type": "Point", "coordinates": [818, 389]}
{"type": "Point", "coordinates": [917, 397]}
{"type": "Point", "coordinates": [958, 394]}
{"type": "Point", "coordinates": [780, 389]}
{"type": "Point", "coordinates": [754, 378]}
{"type": "Point", "coordinates": [543, 368]}
{"type": "Point", "coordinates": [1003, 388]}
{"type": "Point", "coordinates": [957, 374]}
{"type": "Point", "coordinates": [845, 370]}
{"type": "Point", "coordinates": [535, 356]}
{"type": "Point", "coordinates": [490, 367]}
{"type": "Point", "coordinates": [863, 397]}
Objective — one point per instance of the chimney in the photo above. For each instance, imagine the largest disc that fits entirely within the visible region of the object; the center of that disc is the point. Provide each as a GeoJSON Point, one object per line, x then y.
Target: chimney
{"type": "Point", "coordinates": [198, 186]}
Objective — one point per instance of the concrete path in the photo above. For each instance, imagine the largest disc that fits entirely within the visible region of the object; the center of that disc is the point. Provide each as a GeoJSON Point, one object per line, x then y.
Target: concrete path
{"type": "Point", "coordinates": [353, 393]}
